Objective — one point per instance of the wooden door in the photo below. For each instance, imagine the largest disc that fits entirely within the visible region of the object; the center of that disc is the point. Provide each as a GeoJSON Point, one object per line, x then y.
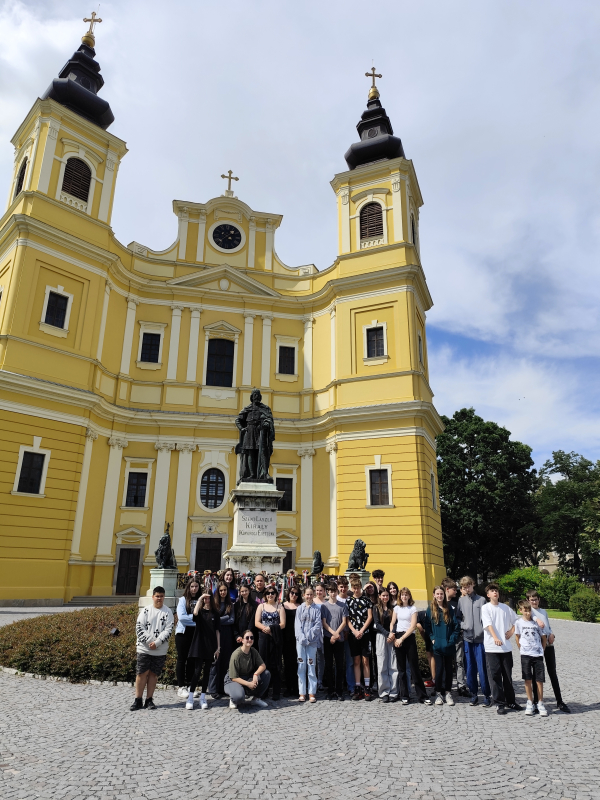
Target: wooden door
{"type": "Point", "coordinates": [127, 573]}
{"type": "Point", "coordinates": [288, 561]}
{"type": "Point", "coordinates": [208, 554]}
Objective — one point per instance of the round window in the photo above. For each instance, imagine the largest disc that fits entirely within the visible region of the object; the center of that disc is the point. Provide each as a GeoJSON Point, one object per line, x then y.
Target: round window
{"type": "Point", "coordinates": [212, 488]}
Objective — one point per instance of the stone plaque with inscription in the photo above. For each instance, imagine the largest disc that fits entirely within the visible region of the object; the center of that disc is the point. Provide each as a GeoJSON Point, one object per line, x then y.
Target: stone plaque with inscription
{"type": "Point", "coordinates": [254, 545]}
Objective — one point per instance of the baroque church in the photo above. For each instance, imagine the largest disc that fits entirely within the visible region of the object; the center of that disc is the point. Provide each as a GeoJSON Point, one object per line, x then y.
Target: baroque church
{"type": "Point", "coordinates": [122, 368]}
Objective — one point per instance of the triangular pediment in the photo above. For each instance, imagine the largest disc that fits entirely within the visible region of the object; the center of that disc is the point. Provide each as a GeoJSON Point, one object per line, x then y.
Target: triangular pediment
{"type": "Point", "coordinates": [222, 327]}
{"type": "Point", "coordinates": [223, 279]}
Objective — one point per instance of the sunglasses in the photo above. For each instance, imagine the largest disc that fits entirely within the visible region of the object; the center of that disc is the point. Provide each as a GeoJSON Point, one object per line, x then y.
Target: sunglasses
{"type": "Point", "coordinates": [248, 638]}
{"type": "Point", "coordinates": [273, 593]}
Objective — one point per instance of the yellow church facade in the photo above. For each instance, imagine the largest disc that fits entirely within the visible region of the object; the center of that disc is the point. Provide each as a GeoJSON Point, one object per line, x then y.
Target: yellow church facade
{"type": "Point", "coordinates": [122, 369]}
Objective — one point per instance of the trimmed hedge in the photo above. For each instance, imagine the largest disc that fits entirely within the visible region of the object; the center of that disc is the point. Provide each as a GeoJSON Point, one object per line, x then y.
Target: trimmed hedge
{"type": "Point", "coordinates": [77, 645]}
{"type": "Point", "coordinates": [554, 590]}
{"type": "Point", "coordinates": [585, 605]}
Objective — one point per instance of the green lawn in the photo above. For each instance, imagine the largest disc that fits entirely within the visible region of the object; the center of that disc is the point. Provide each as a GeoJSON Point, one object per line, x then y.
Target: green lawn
{"type": "Point", "coordinates": [552, 612]}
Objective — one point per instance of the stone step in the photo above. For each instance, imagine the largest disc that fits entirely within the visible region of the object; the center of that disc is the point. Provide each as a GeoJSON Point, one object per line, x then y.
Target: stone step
{"type": "Point", "coordinates": [108, 600]}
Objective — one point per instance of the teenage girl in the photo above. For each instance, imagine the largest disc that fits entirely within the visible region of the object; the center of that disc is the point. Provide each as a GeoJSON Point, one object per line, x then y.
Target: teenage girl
{"type": "Point", "coordinates": [184, 633]}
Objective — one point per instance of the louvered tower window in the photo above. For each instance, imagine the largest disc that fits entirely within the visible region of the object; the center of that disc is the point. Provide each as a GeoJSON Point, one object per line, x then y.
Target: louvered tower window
{"type": "Point", "coordinates": [20, 178]}
{"type": "Point", "coordinates": [371, 221]}
{"type": "Point", "coordinates": [77, 179]}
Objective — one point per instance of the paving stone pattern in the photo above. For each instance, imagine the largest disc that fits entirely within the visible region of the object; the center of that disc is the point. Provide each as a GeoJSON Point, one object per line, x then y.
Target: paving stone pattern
{"type": "Point", "coordinates": [61, 741]}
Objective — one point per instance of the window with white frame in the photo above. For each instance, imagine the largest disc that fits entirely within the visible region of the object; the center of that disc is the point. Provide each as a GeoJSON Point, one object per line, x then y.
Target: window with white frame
{"type": "Point", "coordinates": [375, 347]}
{"type": "Point", "coordinates": [136, 486]}
{"type": "Point", "coordinates": [379, 484]}
{"type": "Point", "coordinates": [286, 357]}
{"type": "Point", "coordinates": [285, 477]}
{"type": "Point", "coordinates": [150, 348]}
{"type": "Point", "coordinates": [32, 469]}
{"type": "Point", "coordinates": [56, 311]}
{"type": "Point", "coordinates": [219, 373]}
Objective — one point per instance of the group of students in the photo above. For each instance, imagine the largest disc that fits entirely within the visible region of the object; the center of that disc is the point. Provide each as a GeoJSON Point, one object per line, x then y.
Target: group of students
{"type": "Point", "coordinates": [353, 640]}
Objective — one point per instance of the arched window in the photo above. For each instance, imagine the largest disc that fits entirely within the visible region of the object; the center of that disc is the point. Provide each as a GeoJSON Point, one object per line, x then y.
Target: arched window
{"type": "Point", "coordinates": [371, 221]}
{"type": "Point", "coordinates": [219, 367]}
{"type": "Point", "coordinates": [77, 179]}
{"type": "Point", "coordinates": [212, 488]}
{"type": "Point", "coordinates": [20, 178]}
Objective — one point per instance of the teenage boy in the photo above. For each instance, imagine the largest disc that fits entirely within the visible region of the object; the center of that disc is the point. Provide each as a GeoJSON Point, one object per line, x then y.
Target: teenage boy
{"type": "Point", "coordinates": [335, 620]}
{"type": "Point", "coordinates": [451, 590]}
{"type": "Point", "coordinates": [342, 589]}
{"type": "Point", "coordinates": [360, 617]}
{"type": "Point", "coordinates": [498, 622]}
{"type": "Point", "coordinates": [531, 642]}
{"type": "Point", "coordinates": [247, 678]}
{"type": "Point", "coordinates": [378, 576]}
{"type": "Point", "coordinates": [469, 606]}
{"type": "Point", "coordinates": [153, 629]}
{"type": "Point", "coordinates": [539, 615]}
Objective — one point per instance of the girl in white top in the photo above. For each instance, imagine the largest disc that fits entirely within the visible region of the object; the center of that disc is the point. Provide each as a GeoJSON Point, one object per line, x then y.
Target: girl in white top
{"type": "Point", "coordinates": [404, 622]}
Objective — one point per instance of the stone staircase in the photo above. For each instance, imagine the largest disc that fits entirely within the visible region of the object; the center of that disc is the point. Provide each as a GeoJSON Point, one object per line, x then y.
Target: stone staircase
{"type": "Point", "coordinates": [108, 600]}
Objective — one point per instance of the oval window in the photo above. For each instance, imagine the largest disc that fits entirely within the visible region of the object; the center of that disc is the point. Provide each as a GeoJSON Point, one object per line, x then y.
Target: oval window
{"type": "Point", "coordinates": [212, 488]}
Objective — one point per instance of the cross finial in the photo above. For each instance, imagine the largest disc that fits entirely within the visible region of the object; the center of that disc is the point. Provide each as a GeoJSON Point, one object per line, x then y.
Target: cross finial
{"type": "Point", "coordinates": [229, 177]}
{"type": "Point", "coordinates": [93, 21]}
{"type": "Point", "coordinates": [373, 91]}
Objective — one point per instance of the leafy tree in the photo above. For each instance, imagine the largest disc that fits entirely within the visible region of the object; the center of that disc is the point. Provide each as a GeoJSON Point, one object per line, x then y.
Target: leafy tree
{"type": "Point", "coordinates": [569, 511]}
{"type": "Point", "coordinates": [486, 486]}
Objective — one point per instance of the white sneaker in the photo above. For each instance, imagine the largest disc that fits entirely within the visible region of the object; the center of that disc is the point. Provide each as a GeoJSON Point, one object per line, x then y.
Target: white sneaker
{"type": "Point", "coordinates": [233, 705]}
{"type": "Point", "coordinates": [439, 700]}
{"type": "Point", "coordinates": [449, 699]}
{"type": "Point", "coordinates": [260, 703]}
{"type": "Point", "coordinates": [197, 693]}
{"type": "Point", "coordinates": [543, 711]}
{"type": "Point", "coordinates": [204, 705]}
{"type": "Point", "coordinates": [189, 706]}
{"type": "Point", "coordinates": [529, 709]}
{"type": "Point", "coordinates": [183, 692]}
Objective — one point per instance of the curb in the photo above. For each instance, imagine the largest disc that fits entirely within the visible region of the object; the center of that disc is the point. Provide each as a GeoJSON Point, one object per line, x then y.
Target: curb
{"type": "Point", "coordinates": [89, 682]}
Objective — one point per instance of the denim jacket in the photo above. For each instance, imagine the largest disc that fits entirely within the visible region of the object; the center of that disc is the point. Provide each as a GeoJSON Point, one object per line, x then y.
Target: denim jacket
{"type": "Point", "coordinates": [308, 625]}
{"type": "Point", "coordinates": [184, 620]}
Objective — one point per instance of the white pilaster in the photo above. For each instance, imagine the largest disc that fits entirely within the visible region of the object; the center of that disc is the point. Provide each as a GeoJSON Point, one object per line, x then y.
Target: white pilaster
{"type": "Point", "coordinates": [102, 331]}
{"type": "Point", "coordinates": [31, 159]}
{"type": "Point", "coordinates": [307, 350]}
{"type": "Point", "coordinates": [183, 229]}
{"type": "Point", "coordinates": [174, 342]}
{"type": "Point", "coordinates": [109, 179]}
{"type": "Point", "coordinates": [48, 157]}
{"type": "Point", "coordinates": [269, 241]}
{"type": "Point", "coordinates": [192, 364]}
{"type": "Point", "coordinates": [331, 448]}
{"type": "Point", "coordinates": [251, 242]}
{"type": "Point", "coordinates": [265, 367]}
{"type": "Point", "coordinates": [345, 220]}
{"type": "Point", "coordinates": [397, 181]}
{"type": "Point", "coordinates": [182, 499]}
{"type": "Point", "coordinates": [306, 502]}
{"type": "Point", "coordinates": [128, 335]}
{"type": "Point", "coordinates": [201, 234]}
{"type": "Point", "coordinates": [248, 336]}
{"type": "Point", "coordinates": [90, 438]}
{"type": "Point", "coordinates": [109, 504]}
{"type": "Point", "coordinates": [159, 501]}
{"type": "Point", "coordinates": [332, 317]}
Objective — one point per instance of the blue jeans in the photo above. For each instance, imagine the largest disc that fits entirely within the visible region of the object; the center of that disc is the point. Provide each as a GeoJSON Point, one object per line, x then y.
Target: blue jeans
{"type": "Point", "coordinates": [350, 682]}
{"type": "Point", "coordinates": [307, 660]}
{"type": "Point", "coordinates": [475, 663]}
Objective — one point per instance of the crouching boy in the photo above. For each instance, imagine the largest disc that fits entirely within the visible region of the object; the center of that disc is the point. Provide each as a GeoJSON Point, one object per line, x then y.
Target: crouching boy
{"type": "Point", "coordinates": [531, 643]}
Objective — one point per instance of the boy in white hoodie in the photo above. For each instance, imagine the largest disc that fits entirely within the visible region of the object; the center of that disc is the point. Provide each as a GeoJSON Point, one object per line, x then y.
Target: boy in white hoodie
{"type": "Point", "coordinates": [153, 629]}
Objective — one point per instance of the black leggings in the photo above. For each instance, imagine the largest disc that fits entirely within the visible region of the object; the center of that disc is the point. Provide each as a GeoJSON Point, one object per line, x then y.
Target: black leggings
{"type": "Point", "coordinates": [550, 659]}
{"type": "Point", "coordinates": [407, 652]}
{"type": "Point", "coordinates": [185, 665]}
{"type": "Point", "coordinates": [202, 667]}
{"type": "Point", "coordinates": [290, 663]}
{"type": "Point", "coordinates": [444, 668]}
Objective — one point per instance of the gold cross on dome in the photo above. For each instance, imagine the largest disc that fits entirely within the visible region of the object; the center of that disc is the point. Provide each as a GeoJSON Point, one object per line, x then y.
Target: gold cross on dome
{"type": "Point", "coordinates": [372, 74]}
{"type": "Point", "coordinates": [92, 22]}
{"type": "Point", "coordinates": [229, 177]}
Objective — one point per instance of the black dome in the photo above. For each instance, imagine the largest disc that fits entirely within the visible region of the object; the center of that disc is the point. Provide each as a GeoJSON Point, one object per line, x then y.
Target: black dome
{"type": "Point", "coordinates": [377, 140]}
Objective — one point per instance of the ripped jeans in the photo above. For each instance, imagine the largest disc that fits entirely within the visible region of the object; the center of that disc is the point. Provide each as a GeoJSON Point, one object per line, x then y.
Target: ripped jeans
{"type": "Point", "coordinates": [307, 657]}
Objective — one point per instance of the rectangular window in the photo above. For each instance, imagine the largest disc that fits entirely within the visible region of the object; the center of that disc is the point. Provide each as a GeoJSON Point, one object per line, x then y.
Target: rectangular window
{"type": "Point", "coordinates": [287, 360]}
{"type": "Point", "coordinates": [56, 310]}
{"type": "Point", "coordinates": [378, 481]}
{"type": "Point", "coordinates": [433, 493]}
{"type": "Point", "coordinates": [219, 366]}
{"type": "Point", "coordinates": [286, 485]}
{"type": "Point", "coordinates": [421, 361]}
{"type": "Point", "coordinates": [375, 342]}
{"type": "Point", "coordinates": [136, 489]}
{"type": "Point", "coordinates": [150, 347]}
{"type": "Point", "coordinates": [30, 478]}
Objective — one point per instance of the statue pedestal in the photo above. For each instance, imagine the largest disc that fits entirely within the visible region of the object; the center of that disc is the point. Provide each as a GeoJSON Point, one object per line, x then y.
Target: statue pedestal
{"type": "Point", "coordinates": [255, 547]}
{"type": "Point", "coordinates": [166, 578]}
{"type": "Point", "coordinates": [362, 574]}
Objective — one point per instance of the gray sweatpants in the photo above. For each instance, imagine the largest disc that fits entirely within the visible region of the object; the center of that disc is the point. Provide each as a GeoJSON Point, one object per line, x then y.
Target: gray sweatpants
{"type": "Point", "coordinates": [238, 693]}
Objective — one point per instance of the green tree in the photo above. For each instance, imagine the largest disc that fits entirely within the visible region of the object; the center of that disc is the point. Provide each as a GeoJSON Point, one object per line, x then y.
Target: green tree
{"type": "Point", "coordinates": [569, 510]}
{"type": "Point", "coordinates": [486, 486]}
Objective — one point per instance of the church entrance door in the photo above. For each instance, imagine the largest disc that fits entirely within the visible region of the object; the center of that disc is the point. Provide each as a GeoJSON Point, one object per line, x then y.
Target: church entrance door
{"type": "Point", "coordinates": [208, 554]}
{"type": "Point", "coordinates": [127, 573]}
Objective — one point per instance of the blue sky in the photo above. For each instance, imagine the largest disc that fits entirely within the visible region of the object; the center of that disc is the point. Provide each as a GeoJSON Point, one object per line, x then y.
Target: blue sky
{"type": "Point", "coordinates": [496, 104]}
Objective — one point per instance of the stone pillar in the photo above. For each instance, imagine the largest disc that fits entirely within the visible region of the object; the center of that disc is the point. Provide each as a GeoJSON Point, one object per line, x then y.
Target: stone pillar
{"type": "Point", "coordinates": [47, 158]}
{"type": "Point", "coordinates": [397, 207]}
{"type": "Point", "coordinates": [159, 501]}
{"type": "Point", "coordinates": [174, 342]}
{"type": "Point", "coordinates": [102, 331]}
{"type": "Point", "coordinates": [306, 505]}
{"type": "Point", "coordinates": [90, 438]}
{"type": "Point", "coordinates": [128, 335]}
{"type": "Point", "coordinates": [192, 364]}
{"type": "Point", "coordinates": [247, 365]}
{"type": "Point", "coordinates": [251, 241]}
{"type": "Point", "coordinates": [109, 177]}
{"type": "Point", "coordinates": [201, 234]}
{"type": "Point", "coordinates": [109, 504]}
{"type": "Point", "coordinates": [331, 448]}
{"type": "Point", "coordinates": [265, 367]}
{"type": "Point", "coordinates": [308, 351]}
{"type": "Point", "coordinates": [182, 499]}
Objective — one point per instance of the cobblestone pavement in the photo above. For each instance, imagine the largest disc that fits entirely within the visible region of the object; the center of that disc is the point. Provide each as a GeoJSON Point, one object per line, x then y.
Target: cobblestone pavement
{"type": "Point", "coordinates": [63, 741]}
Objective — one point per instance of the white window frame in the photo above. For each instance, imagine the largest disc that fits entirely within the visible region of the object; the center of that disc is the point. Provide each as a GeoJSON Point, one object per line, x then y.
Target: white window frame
{"type": "Point", "coordinates": [235, 224]}
{"type": "Point", "coordinates": [378, 465]}
{"type": "Point", "coordinates": [434, 499]}
{"type": "Point", "coordinates": [291, 471]}
{"type": "Point", "coordinates": [137, 465]}
{"type": "Point", "coordinates": [220, 330]}
{"type": "Point", "coordinates": [286, 341]}
{"type": "Point", "coordinates": [216, 459]}
{"type": "Point", "coordinates": [62, 333]}
{"type": "Point", "coordinates": [375, 360]}
{"type": "Point", "coordinates": [150, 327]}
{"type": "Point", "coordinates": [76, 150]}
{"type": "Point", "coordinates": [373, 241]}
{"type": "Point", "coordinates": [37, 440]}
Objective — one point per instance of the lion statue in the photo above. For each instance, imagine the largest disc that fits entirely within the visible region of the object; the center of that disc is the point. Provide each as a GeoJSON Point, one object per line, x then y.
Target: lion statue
{"type": "Point", "coordinates": [165, 557]}
{"type": "Point", "coordinates": [318, 565]}
{"type": "Point", "coordinates": [358, 557]}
